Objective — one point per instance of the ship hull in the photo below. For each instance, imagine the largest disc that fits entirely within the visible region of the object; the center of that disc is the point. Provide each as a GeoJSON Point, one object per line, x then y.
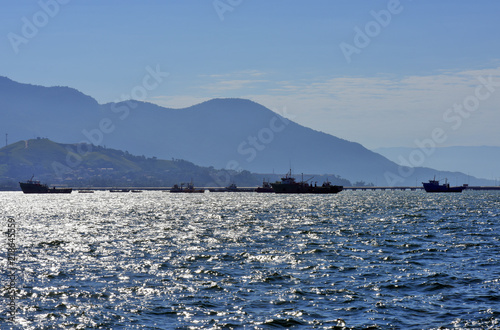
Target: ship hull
{"type": "Point", "coordinates": [30, 188]}
{"type": "Point", "coordinates": [281, 188]}
{"type": "Point", "coordinates": [264, 190]}
{"type": "Point", "coordinates": [288, 185]}
{"type": "Point", "coordinates": [433, 186]}
{"type": "Point", "coordinates": [188, 191]}
{"type": "Point", "coordinates": [442, 189]}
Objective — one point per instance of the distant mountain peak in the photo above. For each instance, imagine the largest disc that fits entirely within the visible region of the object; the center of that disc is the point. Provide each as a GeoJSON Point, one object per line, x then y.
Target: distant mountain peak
{"type": "Point", "coordinates": [232, 107]}
{"type": "Point", "coordinates": [226, 102]}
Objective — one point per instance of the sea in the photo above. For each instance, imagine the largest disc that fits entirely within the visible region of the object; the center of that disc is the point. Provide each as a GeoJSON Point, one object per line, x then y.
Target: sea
{"type": "Point", "coordinates": [156, 260]}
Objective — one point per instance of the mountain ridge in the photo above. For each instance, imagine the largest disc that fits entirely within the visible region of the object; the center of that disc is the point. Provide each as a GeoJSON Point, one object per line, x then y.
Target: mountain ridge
{"type": "Point", "coordinates": [84, 165]}
{"type": "Point", "coordinates": [231, 134]}
{"type": "Point", "coordinates": [250, 147]}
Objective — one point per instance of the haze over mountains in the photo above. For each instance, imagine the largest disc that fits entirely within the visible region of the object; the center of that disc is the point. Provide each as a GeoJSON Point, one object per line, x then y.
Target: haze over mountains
{"type": "Point", "coordinates": [481, 162]}
{"type": "Point", "coordinates": [234, 134]}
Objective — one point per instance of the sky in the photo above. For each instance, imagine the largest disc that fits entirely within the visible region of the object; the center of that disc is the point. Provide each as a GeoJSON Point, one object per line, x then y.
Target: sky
{"type": "Point", "coordinates": [381, 73]}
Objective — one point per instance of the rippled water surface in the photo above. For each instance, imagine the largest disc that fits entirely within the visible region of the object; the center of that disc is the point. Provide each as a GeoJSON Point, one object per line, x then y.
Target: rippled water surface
{"type": "Point", "coordinates": [154, 260]}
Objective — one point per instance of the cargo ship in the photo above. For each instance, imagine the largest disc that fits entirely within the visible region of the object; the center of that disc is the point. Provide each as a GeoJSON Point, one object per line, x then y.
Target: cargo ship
{"type": "Point", "coordinates": [189, 189]}
{"type": "Point", "coordinates": [288, 185]}
{"type": "Point", "coordinates": [434, 186]}
{"type": "Point", "coordinates": [35, 187]}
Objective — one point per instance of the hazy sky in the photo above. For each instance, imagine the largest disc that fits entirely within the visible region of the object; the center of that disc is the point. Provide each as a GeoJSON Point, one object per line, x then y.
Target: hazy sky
{"type": "Point", "coordinates": [381, 73]}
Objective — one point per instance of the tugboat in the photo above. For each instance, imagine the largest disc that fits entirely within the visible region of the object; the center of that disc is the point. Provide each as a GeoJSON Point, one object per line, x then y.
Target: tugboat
{"type": "Point", "coordinates": [288, 185]}
{"type": "Point", "coordinates": [35, 187]}
{"type": "Point", "coordinates": [434, 186]}
{"type": "Point", "coordinates": [266, 187]}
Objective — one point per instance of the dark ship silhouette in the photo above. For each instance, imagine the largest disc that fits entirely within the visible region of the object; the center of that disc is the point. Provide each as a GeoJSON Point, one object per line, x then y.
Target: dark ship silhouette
{"type": "Point", "coordinates": [288, 185]}
{"type": "Point", "coordinates": [35, 187]}
{"type": "Point", "coordinates": [189, 189]}
{"type": "Point", "coordinates": [434, 186]}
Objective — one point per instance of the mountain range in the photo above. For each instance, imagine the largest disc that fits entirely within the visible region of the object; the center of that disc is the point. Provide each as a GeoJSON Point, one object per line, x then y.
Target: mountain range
{"type": "Point", "coordinates": [230, 134]}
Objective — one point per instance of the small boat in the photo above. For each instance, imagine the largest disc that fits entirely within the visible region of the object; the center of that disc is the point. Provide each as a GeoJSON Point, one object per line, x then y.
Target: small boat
{"type": "Point", "coordinates": [288, 185]}
{"type": "Point", "coordinates": [136, 191]}
{"type": "Point", "coordinates": [35, 187]}
{"type": "Point", "coordinates": [266, 187]}
{"type": "Point", "coordinates": [434, 186]}
{"type": "Point", "coordinates": [119, 190]}
{"type": "Point", "coordinates": [231, 188]}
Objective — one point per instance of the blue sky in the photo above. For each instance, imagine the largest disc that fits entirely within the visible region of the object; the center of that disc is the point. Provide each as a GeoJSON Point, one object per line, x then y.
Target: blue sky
{"type": "Point", "coordinates": [416, 67]}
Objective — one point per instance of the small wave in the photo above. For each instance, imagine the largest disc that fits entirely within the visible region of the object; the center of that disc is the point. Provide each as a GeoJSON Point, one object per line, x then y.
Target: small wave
{"type": "Point", "coordinates": [435, 286]}
{"type": "Point", "coordinates": [283, 323]}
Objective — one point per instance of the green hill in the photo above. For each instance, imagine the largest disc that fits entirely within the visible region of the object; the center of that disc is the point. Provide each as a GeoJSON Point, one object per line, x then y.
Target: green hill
{"type": "Point", "coordinates": [85, 165]}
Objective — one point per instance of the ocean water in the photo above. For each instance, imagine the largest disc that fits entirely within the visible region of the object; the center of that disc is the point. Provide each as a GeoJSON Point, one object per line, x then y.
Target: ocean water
{"type": "Point", "coordinates": [154, 260]}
